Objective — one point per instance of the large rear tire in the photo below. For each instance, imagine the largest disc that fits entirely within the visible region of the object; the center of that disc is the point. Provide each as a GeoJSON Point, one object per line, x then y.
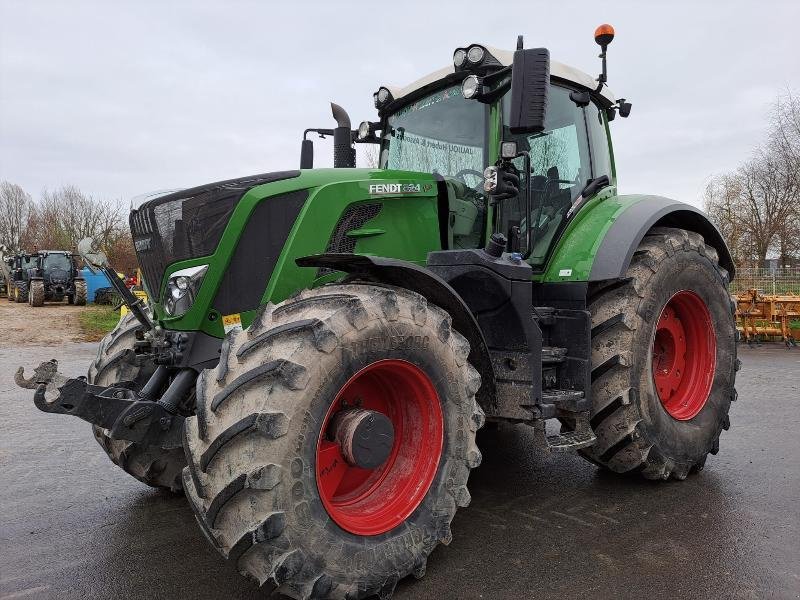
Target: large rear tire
{"type": "Point", "coordinates": [36, 293]}
{"type": "Point", "coordinates": [115, 361]}
{"type": "Point", "coordinates": [270, 486]}
{"type": "Point", "coordinates": [663, 359]}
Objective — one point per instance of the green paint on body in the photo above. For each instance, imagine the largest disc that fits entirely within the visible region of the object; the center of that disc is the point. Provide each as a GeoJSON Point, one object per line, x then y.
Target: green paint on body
{"type": "Point", "coordinates": [406, 227]}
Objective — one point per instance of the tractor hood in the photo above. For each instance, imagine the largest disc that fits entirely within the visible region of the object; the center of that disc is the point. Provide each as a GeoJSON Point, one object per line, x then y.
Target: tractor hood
{"type": "Point", "coordinates": [247, 232]}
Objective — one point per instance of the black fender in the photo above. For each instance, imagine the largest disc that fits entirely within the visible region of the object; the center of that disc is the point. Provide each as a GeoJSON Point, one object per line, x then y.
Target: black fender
{"type": "Point", "coordinates": [614, 255]}
{"type": "Point", "coordinates": [407, 275]}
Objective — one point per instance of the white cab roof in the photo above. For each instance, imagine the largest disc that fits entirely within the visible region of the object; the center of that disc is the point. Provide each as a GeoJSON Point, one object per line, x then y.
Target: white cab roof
{"type": "Point", "coordinates": [506, 57]}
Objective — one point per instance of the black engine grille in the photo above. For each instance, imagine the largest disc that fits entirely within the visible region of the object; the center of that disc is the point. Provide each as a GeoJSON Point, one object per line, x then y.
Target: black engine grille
{"type": "Point", "coordinates": [353, 218]}
{"type": "Point", "coordinates": [187, 224]}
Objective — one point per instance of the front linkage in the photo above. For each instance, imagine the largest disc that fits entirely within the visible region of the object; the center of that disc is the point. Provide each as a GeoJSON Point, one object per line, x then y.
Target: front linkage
{"type": "Point", "coordinates": [125, 413]}
{"type": "Point", "coordinates": [140, 416]}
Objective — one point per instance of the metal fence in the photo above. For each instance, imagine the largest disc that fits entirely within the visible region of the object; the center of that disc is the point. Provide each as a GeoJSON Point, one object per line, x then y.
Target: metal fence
{"type": "Point", "coordinates": [768, 281]}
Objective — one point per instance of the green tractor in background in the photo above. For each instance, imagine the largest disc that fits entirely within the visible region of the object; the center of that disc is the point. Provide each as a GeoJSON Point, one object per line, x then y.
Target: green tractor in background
{"type": "Point", "coordinates": [322, 345]}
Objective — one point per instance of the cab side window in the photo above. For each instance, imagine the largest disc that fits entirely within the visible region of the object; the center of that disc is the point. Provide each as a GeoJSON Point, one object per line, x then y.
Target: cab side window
{"type": "Point", "coordinates": [560, 168]}
{"type": "Point", "coordinates": [602, 163]}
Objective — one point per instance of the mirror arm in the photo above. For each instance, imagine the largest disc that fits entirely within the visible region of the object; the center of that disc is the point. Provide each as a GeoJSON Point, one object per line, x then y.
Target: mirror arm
{"type": "Point", "coordinates": [135, 304]}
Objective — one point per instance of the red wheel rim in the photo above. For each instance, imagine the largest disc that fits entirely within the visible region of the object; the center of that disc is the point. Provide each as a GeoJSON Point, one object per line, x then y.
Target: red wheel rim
{"type": "Point", "coordinates": [684, 355]}
{"type": "Point", "coordinates": [374, 501]}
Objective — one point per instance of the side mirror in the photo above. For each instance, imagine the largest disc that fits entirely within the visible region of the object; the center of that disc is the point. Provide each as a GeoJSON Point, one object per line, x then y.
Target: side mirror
{"type": "Point", "coordinates": [307, 154]}
{"type": "Point", "coordinates": [530, 87]}
{"type": "Point", "coordinates": [95, 259]}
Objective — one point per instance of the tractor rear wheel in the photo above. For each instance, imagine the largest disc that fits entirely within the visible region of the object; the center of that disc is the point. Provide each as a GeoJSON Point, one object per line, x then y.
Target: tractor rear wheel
{"type": "Point", "coordinates": [21, 292]}
{"type": "Point", "coordinates": [663, 359]}
{"type": "Point", "coordinates": [79, 299]}
{"type": "Point", "coordinates": [36, 293]}
{"type": "Point", "coordinates": [333, 443]}
{"type": "Point", "coordinates": [115, 361]}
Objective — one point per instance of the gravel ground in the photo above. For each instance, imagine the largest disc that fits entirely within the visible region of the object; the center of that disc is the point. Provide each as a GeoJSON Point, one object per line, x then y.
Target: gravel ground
{"type": "Point", "coordinates": [74, 526]}
{"type": "Point", "coordinates": [53, 323]}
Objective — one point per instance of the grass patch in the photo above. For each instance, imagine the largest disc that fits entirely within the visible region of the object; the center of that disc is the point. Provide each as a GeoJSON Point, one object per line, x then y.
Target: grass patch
{"type": "Point", "coordinates": [97, 320]}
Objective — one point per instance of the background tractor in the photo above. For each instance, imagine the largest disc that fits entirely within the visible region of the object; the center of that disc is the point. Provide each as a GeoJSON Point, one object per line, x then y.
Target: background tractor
{"type": "Point", "coordinates": [322, 345]}
{"type": "Point", "coordinates": [54, 275]}
{"type": "Point", "coordinates": [16, 270]}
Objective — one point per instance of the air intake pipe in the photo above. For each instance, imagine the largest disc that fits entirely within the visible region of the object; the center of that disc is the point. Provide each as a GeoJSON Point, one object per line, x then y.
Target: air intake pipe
{"type": "Point", "coordinates": [344, 155]}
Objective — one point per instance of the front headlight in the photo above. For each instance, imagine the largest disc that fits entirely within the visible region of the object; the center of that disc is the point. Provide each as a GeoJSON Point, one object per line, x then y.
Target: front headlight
{"type": "Point", "coordinates": [182, 288]}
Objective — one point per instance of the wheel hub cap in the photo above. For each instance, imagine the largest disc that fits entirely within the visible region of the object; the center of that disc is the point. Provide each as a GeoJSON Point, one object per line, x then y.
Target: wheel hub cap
{"type": "Point", "coordinates": [365, 437]}
{"type": "Point", "coordinates": [684, 355]}
{"type": "Point", "coordinates": [379, 447]}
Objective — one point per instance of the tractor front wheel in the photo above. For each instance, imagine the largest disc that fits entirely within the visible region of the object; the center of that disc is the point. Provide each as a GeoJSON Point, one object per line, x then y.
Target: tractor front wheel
{"type": "Point", "coordinates": [333, 443]}
{"type": "Point", "coordinates": [663, 359]}
{"type": "Point", "coordinates": [79, 298]}
{"type": "Point", "coordinates": [116, 361]}
{"type": "Point", "coordinates": [21, 292]}
{"type": "Point", "coordinates": [36, 293]}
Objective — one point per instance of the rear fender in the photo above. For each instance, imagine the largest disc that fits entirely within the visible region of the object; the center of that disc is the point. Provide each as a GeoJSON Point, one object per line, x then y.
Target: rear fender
{"type": "Point", "coordinates": [600, 242]}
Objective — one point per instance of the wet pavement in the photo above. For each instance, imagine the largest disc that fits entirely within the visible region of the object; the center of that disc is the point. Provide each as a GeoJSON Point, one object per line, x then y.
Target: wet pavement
{"type": "Point", "coordinates": [73, 526]}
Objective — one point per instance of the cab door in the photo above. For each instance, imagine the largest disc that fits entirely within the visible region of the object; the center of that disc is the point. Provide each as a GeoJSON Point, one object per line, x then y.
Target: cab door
{"type": "Point", "coordinates": [561, 166]}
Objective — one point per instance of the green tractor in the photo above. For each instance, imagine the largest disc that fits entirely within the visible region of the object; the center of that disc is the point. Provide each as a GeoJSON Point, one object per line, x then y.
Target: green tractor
{"type": "Point", "coordinates": [322, 345]}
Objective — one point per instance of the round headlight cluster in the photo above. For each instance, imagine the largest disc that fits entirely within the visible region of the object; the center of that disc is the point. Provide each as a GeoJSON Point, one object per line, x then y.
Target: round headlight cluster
{"type": "Point", "coordinates": [470, 86]}
{"type": "Point", "coordinates": [475, 54]}
{"type": "Point", "coordinates": [382, 96]}
{"type": "Point", "coordinates": [364, 130]}
{"type": "Point", "coordinates": [469, 57]}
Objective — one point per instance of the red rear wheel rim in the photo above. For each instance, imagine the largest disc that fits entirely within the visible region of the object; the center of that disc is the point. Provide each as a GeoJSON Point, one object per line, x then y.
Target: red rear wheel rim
{"type": "Point", "coordinates": [684, 355]}
{"type": "Point", "coordinates": [374, 501]}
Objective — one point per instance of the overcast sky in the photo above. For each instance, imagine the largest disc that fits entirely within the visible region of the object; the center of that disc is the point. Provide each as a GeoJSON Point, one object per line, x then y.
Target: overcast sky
{"type": "Point", "coordinates": [123, 98]}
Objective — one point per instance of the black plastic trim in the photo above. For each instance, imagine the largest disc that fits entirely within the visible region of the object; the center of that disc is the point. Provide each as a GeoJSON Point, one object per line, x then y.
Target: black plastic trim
{"type": "Point", "coordinates": [621, 240]}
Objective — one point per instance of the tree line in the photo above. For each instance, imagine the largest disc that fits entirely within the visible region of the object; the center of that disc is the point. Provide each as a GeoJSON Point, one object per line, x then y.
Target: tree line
{"type": "Point", "coordinates": [60, 218]}
{"type": "Point", "coordinates": [757, 206]}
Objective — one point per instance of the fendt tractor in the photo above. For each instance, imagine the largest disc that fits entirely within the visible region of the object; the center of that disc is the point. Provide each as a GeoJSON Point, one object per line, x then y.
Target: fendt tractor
{"type": "Point", "coordinates": [322, 345]}
{"type": "Point", "coordinates": [53, 276]}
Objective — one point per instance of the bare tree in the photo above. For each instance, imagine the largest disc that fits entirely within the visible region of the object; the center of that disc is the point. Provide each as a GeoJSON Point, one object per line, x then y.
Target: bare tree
{"type": "Point", "coordinates": [784, 142]}
{"type": "Point", "coordinates": [757, 207]}
{"type": "Point", "coordinates": [67, 215]}
{"type": "Point", "coordinates": [16, 212]}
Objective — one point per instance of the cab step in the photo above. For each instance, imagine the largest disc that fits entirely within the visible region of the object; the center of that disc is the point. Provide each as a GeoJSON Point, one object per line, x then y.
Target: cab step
{"type": "Point", "coordinates": [570, 440]}
{"type": "Point", "coordinates": [552, 355]}
{"type": "Point", "coordinates": [568, 400]}
{"type": "Point", "coordinates": [566, 441]}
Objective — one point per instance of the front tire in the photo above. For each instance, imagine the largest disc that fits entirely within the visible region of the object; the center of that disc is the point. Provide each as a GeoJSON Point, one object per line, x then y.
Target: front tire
{"type": "Point", "coordinates": [115, 361]}
{"type": "Point", "coordinates": [261, 453]}
{"type": "Point", "coordinates": [79, 299]}
{"type": "Point", "coordinates": [36, 293]}
{"type": "Point", "coordinates": [663, 359]}
{"type": "Point", "coordinates": [21, 292]}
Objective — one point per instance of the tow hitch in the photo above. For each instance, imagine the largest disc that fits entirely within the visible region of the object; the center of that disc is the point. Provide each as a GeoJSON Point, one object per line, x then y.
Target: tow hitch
{"type": "Point", "coordinates": [126, 414]}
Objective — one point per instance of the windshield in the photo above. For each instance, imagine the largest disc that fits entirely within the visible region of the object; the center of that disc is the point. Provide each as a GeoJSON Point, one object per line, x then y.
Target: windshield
{"type": "Point", "coordinates": [57, 261]}
{"type": "Point", "coordinates": [442, 133]}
